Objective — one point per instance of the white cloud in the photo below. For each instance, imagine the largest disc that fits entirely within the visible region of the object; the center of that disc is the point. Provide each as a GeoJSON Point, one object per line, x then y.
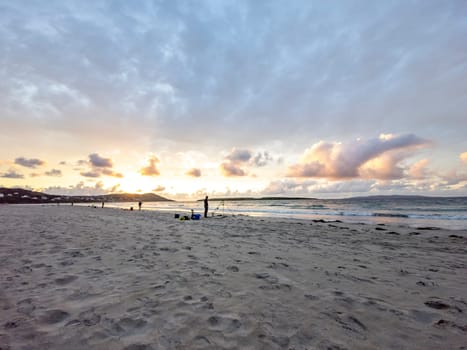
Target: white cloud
{"type": "Point", "coordinates": [80, 189]}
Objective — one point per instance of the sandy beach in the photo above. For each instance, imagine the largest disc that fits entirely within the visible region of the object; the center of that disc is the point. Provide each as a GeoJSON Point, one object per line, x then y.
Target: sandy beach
{"type": "Point", "coordinates": [92, 278]}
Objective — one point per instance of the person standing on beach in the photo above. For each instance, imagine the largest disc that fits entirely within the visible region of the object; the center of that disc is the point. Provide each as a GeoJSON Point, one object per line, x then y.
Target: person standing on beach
{"type": "Point", "coordinates": [139, 205]}
{"type": "Point", "coordinates": [206, 207]}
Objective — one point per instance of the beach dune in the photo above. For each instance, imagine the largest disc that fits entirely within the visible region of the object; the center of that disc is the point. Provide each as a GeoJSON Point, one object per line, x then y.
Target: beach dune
{"type": "Point", "coordinates": [92, 278]}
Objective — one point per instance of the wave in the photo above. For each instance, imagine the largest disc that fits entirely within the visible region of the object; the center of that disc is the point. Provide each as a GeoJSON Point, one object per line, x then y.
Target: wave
{"type": "Point", "coordinates": [449, 217]}
{"type": "Point", "coordinates": [388, 215]}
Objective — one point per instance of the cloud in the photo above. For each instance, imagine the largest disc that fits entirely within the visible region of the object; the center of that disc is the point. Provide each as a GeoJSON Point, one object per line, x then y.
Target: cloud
{"type": "Point", "coordinates": [374, 158]}
{"type": "Point", "coordinates": [54, 172]}
{"type": "Point", "coordinates": [288, 187]}
{"type": "Point", "coordinates": [151, 168]}
{"type": "Point", "coordinates": [109, 172]}
{"type": "Point", "coordinates": [239, 155]}
{"type": "Point", "coordinates": [92, 174]}
{"type": "Point", "coordinates": [231, 169]}
{"type": "Point", "coordinates": [159, 189]}
{"type": "Point", "coordinates": [249, 73]}
{"type": "Point", "coordinates": [419, 170]}
{"type": "Point", "coordinates": [100, 162]}
{"type": "Point", "coordinates": [29, 163]}
{"type": "Point", "coordinates": [463, 157]}
{"type": "Point", "coordinates": [198, 72]}
{"type": "Point", "coordinates": [115, 188]}
{"type": "Point", "coordinates": [80, 189]}
{"type": "Point", "coordinates": [195, 172]}
{"type": "Point", "coordinates": [236, 161]}
{"type": "Point", "coordinates": [261, 159]}
{"type": "Point", "coordinates": [454, 177]}
{"type": "Point", "coordinates": [384, 167]}
{"type": "Point", "coordinates": [98, 166]}
{"type": "Point", "coordinates": [340, 188]}
{"type": "Point", "coordinates": [12, 174]}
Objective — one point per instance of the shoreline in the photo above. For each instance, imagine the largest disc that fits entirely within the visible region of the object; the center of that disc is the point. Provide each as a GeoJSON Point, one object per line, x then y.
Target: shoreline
{"type": "Point", "coordinates": [79, 277]}
{"type": "Point", "coordinates": [377, 219]}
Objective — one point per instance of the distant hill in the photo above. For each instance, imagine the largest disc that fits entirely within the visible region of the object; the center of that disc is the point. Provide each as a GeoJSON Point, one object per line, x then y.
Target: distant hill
{"type": "Point", "coordinates": [258, 199]}
{"type": "Point", "coordinates": [408, 197]}
{"type": "Point", "coordinates": [19, 195]}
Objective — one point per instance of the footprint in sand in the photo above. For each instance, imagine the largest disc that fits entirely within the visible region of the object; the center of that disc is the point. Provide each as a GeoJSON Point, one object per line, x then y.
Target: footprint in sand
{"type": "Point", "coordinates": [233, 268]}
{"type": "Point", "coordinates": [25, 306]}
{"type": "Point", "coordinates": [53, 316]}
{"type": "Point", "coordinates": [138, 347]}
{"type": "Point", "coordinates": [24, 269]}
{"type": "Point", "coordinates": [89, 318]}
{"type": "Point", "coordinates": [128, 323]}
{"type": "Point", "coordinates": [65, 279]}
{"type": "Point", "coordinates": [439, 305]}
{"type": "Point", "coordinates": [75, 254]}
{"type": "Point", "coordinates": [275, 265]}
{"type": "Point", "coordinates": [10, 325]}
{"type": "Point", "coordinates": [222, 323]}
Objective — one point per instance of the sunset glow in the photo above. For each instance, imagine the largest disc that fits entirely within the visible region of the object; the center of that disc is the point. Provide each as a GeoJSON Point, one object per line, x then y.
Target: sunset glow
{"type": "Point", "coordinates": [185, 99]}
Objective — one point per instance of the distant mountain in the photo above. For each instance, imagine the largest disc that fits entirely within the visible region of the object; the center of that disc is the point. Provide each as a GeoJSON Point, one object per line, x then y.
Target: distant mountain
{"type": "Point", "coordinates": [19, 195]}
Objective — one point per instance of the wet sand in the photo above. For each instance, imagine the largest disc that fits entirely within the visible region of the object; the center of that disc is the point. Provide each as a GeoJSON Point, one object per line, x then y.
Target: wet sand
{"type": "Point", "coordinates": [92, 278]}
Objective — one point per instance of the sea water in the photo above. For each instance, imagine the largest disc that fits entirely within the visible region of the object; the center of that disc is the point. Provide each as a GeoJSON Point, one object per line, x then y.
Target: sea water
{"type": "Point", "coordinates": [443, 212]}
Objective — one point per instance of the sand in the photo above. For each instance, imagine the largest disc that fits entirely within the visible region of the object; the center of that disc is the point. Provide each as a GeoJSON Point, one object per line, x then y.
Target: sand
{"type": "Point", "coordinates": [92, 278]}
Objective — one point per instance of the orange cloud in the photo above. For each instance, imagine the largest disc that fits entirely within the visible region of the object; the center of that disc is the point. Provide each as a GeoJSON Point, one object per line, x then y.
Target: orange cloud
{"type": "Point", "coordinates": [110, 172]}
{"type": "Point", "coordinates": [195, 172]}
{"type": "Point", "coordinates": [159, 189]}
{"type": "Point", "coordinates": [419, 170]}
{"type": "Point", "coordinates": [151, 168]}
{"type": "Point", "coordinates": [384, 167]}
{"type": "Point", "coordinates": [231, 169]}
{"type": "Point", "coordinates": [463, 157]}
{"type": "Point", "coordinates": [375, 158]}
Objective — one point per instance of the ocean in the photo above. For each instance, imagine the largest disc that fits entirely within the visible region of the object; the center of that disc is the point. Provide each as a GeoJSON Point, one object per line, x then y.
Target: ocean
{"type": "Point", "coordinates": [443, 212]}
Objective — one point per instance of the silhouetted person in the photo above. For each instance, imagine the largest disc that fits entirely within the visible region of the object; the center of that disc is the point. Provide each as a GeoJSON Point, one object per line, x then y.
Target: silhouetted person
{"type": "Point", "coordinates": [139, 205]}
{"type": "Point", "coordinates": [102, 204]}
{"type": "Point", "coordinates": [206, 206]}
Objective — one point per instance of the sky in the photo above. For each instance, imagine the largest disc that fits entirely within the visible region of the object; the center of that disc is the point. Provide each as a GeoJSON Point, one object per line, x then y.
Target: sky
{"type": "Point", "coordinates": [234, 98]}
